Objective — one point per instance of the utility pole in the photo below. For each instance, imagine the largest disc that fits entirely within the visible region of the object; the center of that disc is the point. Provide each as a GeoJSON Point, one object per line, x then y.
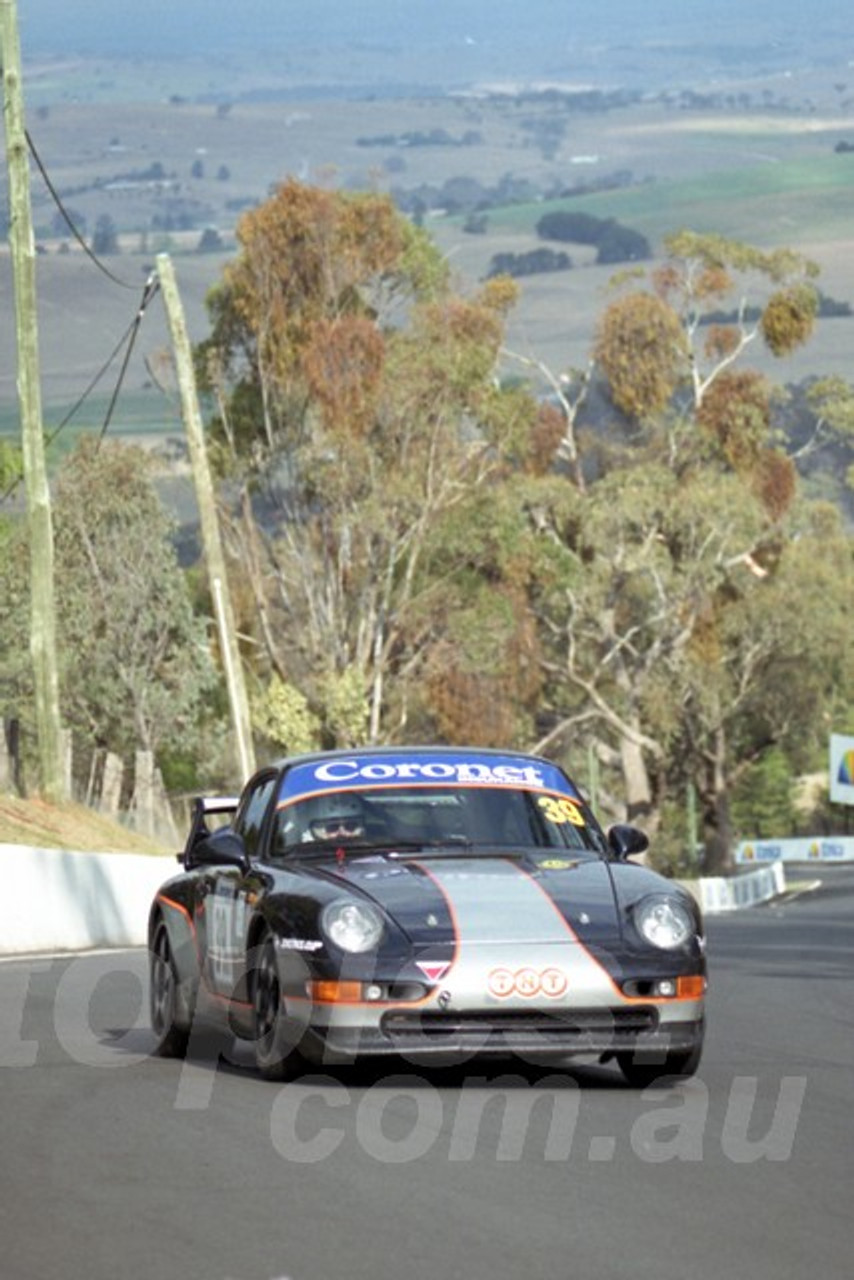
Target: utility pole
{"type": "Point", "coordinates": [52, 781]}
{"type": "Point", "coordinates": [212, 544]}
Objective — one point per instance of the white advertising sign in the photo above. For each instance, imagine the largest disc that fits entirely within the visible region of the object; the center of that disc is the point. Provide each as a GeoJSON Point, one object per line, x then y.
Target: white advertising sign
{"type": "Point", "coordinates": [805, 849]}
{"type": "Point", "coordinates": [841, 769]}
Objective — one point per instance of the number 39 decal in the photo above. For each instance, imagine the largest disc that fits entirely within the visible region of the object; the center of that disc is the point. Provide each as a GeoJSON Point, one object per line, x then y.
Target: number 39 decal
{"type": "Point", "coordinates": [561, 810]}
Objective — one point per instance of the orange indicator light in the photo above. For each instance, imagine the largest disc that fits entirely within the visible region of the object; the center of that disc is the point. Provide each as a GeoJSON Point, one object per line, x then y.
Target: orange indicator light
{"type": "Point", "coordinates": [329, 992]}
{"type": "Point", "coordinates": [691, 987]}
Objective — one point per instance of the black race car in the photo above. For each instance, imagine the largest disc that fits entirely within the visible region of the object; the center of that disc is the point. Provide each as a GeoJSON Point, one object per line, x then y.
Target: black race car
{"type": "Point", "coordinates": [428, 902]}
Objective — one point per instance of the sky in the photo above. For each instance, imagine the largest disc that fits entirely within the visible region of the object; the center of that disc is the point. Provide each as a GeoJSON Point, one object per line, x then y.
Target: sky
{"type": "Point", "coordinates": [210, 26]}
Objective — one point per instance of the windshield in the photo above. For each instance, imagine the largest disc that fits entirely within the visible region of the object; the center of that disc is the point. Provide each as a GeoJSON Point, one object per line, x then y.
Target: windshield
{"type": "Point", "coordinates": [492, 817]}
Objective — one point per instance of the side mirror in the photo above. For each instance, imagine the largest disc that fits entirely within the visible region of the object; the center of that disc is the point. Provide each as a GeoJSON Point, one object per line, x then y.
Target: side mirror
{"type": "Point", "coordinates": [221, 849]}
{"type": "Point", "coordinates": [625, 840]}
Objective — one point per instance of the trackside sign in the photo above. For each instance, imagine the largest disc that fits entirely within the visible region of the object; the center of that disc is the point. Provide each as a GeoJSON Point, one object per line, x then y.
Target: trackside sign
{"type": "Point", "coordinates": [841, 776]}
{"type": "Point", "coordinates": [807, 849]}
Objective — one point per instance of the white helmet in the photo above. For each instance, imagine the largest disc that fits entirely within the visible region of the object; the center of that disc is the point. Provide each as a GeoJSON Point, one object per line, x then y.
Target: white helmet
{"type": "Point", "coordinates": [337, 815]}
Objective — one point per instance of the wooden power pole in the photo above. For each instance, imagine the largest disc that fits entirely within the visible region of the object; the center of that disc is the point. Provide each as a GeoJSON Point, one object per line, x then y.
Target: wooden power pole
{"type": "Point", "coordinates": [42, 616]}
{"type": "Point", "coordinates": [212, 544]}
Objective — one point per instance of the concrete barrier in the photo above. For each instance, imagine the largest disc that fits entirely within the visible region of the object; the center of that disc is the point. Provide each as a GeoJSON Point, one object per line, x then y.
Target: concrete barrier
{"type": "Point", "coordinates": [55, 900]}
{"type": "Point", "coordinates": [732, 893]}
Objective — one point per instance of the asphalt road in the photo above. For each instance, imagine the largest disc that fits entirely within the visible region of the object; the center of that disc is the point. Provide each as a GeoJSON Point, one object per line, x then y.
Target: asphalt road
{"type": "Point", "coordinates": [118, 1166]}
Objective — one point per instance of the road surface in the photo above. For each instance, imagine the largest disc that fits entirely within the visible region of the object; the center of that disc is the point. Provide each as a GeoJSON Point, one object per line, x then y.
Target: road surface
{"type": "Point", "coordinates": [118, 1166]}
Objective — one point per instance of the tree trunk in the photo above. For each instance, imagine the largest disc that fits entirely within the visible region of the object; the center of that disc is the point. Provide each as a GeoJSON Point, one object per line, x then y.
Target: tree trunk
{"type": "Point", "coordinates": [638, 791]}
{"type": "Point", "coordinates": [717, 829]}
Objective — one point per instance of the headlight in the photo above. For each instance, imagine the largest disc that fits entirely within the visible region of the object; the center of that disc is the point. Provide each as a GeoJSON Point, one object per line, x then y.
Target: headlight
{"type": "Point", "coordinates": [664, 922]}
{"type": "Point", "coordinates": [352, 926]}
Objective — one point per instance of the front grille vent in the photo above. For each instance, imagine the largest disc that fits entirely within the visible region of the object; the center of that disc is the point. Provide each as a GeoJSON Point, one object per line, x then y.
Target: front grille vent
{"type": "Point", "coordinates": [566, 1027]}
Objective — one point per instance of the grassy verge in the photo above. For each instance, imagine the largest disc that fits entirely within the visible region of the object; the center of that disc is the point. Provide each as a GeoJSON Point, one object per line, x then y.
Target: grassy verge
{"type": "Point", "coordinates": [68, 826]}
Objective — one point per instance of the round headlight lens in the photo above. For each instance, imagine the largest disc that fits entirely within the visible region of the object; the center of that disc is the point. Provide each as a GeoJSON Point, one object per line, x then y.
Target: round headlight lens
{"type": "Point", "coordinates": [352, 926]}
{"type": "Point", "coordinates": [664, 922]}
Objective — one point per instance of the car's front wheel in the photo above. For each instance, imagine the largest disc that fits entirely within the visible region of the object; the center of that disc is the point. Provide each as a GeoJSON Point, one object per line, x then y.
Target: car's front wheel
{"type": "Point", "coordinates": [171, 1019]}
{"type": "Point", "coordinates": [276, 1055]}
{"type": "Point", "coordinates": [640, 1072]}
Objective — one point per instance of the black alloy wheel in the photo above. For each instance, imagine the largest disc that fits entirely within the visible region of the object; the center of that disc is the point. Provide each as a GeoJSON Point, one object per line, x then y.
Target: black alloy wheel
{"type": "Point", "coordinates": [164, 989]}
{"type": "Point", "coordinates": [276, 1055]}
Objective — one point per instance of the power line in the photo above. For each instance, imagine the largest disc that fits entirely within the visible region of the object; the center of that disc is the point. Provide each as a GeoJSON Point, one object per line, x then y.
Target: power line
{"type": "Point", "coordinates": [152, 285]}
{"type": "Point", "coordinates": [128, 339]}
{"type": "Point", "coordinates": [123, 284]}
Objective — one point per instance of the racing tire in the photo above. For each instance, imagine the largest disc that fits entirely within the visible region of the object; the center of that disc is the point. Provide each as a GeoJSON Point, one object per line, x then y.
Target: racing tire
{"type": "Point", "coordinates": [170, 1010]}
{"type": "Point", "coordinates": [670, 1068]}
{"type": "Point", "coordinates": [276, 1055]}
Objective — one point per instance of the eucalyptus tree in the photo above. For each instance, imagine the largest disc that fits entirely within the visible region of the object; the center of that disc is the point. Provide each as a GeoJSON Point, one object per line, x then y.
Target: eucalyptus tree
{"type": "Point", "coordinates": [137, 663]}
{"type": "Point", "coordinates": [136, 669]}
{"type": "Point", "coordinates": [669, 629]}
{"type": "Point", "coordinates": [355, 410]}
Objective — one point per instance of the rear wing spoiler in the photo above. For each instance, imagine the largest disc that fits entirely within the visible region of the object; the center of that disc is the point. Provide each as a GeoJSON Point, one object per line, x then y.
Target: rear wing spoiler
{"type": "Point", "coordinates": [215, 804]}
{"type": "Point", "coordinates": [205, 807]}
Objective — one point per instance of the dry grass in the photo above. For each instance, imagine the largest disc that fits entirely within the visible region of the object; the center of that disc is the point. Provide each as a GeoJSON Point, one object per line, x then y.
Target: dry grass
{"type": "Point", "coordinates": [68, 826]}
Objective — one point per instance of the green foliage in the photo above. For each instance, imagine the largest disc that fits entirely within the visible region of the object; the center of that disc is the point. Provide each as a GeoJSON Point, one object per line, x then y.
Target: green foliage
{"type": "Point", "coordinates": [717, 251]}
{"type": "Point", "coordinates": [534, 262]}
{"type": "Point", "coordinates": [339, 717]}
{"type": "Point", "coordinates": [105, 240]}
{"type": "Point", "coordinates": [642, 350]}
{"type": "Point", "coordinates": [614, 243]}
{"type": "Point", "coordinates": [136, 667]}
{"type": "Point", "coordinates": [763, 798]}
{"type": "Point", "coordinates": [134, 663]}
{"type": "Point", "coordinates": [16, 676]}
{"type": "Point", "coordinates": [832, 402]}
{"type": "Point", "coordinates": [282, 715]}
{"type": "Point", "coordinates": [670, 852]}
{"type": "Point", "coordinates": [345, 707]}
{"type": "Point", "coordinates": [11, 465]}
{"type": "Point", "coordinates": [181, 773]}
{"type": "Point", "coordinates": [622, 244]}
{"type": "Point", "coordinates": [788, 318]}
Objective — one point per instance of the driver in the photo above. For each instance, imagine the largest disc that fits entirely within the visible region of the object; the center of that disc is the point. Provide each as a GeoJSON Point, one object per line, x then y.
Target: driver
{"type": "Point", "coordinates": [336, 817]}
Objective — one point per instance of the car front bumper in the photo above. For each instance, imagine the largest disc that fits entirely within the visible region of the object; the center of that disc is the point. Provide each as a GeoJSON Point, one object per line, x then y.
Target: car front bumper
{"type": "Point", "coordinates": [424, 1036]}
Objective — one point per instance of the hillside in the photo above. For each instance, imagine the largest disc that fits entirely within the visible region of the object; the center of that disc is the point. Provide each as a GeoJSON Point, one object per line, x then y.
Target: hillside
{"type": "Point", "coordinates": [68, 826]}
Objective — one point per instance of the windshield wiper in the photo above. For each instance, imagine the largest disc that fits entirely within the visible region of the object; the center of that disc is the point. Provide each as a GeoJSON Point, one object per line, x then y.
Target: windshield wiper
{"type": "Point", "coordinates": [322, 848]}
{"type": "Point", "coordinates": [452, 848]}
{"type": "Point", "coordinates": [386, 845]}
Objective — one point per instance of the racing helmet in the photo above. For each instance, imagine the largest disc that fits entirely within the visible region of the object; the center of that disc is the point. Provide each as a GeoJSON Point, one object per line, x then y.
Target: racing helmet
{"type": "Point", "coordinates": [338, 815]}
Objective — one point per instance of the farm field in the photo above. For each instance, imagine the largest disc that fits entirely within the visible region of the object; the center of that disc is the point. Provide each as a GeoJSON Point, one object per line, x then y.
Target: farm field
{"type": "Point", "coordinates": [769, 177]}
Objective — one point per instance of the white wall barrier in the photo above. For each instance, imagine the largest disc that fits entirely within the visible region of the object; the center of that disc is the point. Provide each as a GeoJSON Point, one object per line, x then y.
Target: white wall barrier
{"type": "Point", "coordinates": [804, 849]}
{"type": "Point", "coordinates": [54, 900]}
{"type": "Point", "coordinates": [733, 893]}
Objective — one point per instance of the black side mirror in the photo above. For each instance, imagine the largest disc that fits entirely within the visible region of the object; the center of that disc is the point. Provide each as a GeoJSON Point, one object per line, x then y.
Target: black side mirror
{"type": "Point", "coordinates": [624, 840]}
{"type": "Point", "coordinates": [221, 849]}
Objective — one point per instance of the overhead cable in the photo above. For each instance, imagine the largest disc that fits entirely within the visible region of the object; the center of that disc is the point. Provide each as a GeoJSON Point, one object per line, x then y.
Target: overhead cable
{"type": "Point", "coordinates": [128, 339]}
{"type": "Point", "coordinates": [152, 285]}
{"type": "Point", "coordinates": [123, 284]}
